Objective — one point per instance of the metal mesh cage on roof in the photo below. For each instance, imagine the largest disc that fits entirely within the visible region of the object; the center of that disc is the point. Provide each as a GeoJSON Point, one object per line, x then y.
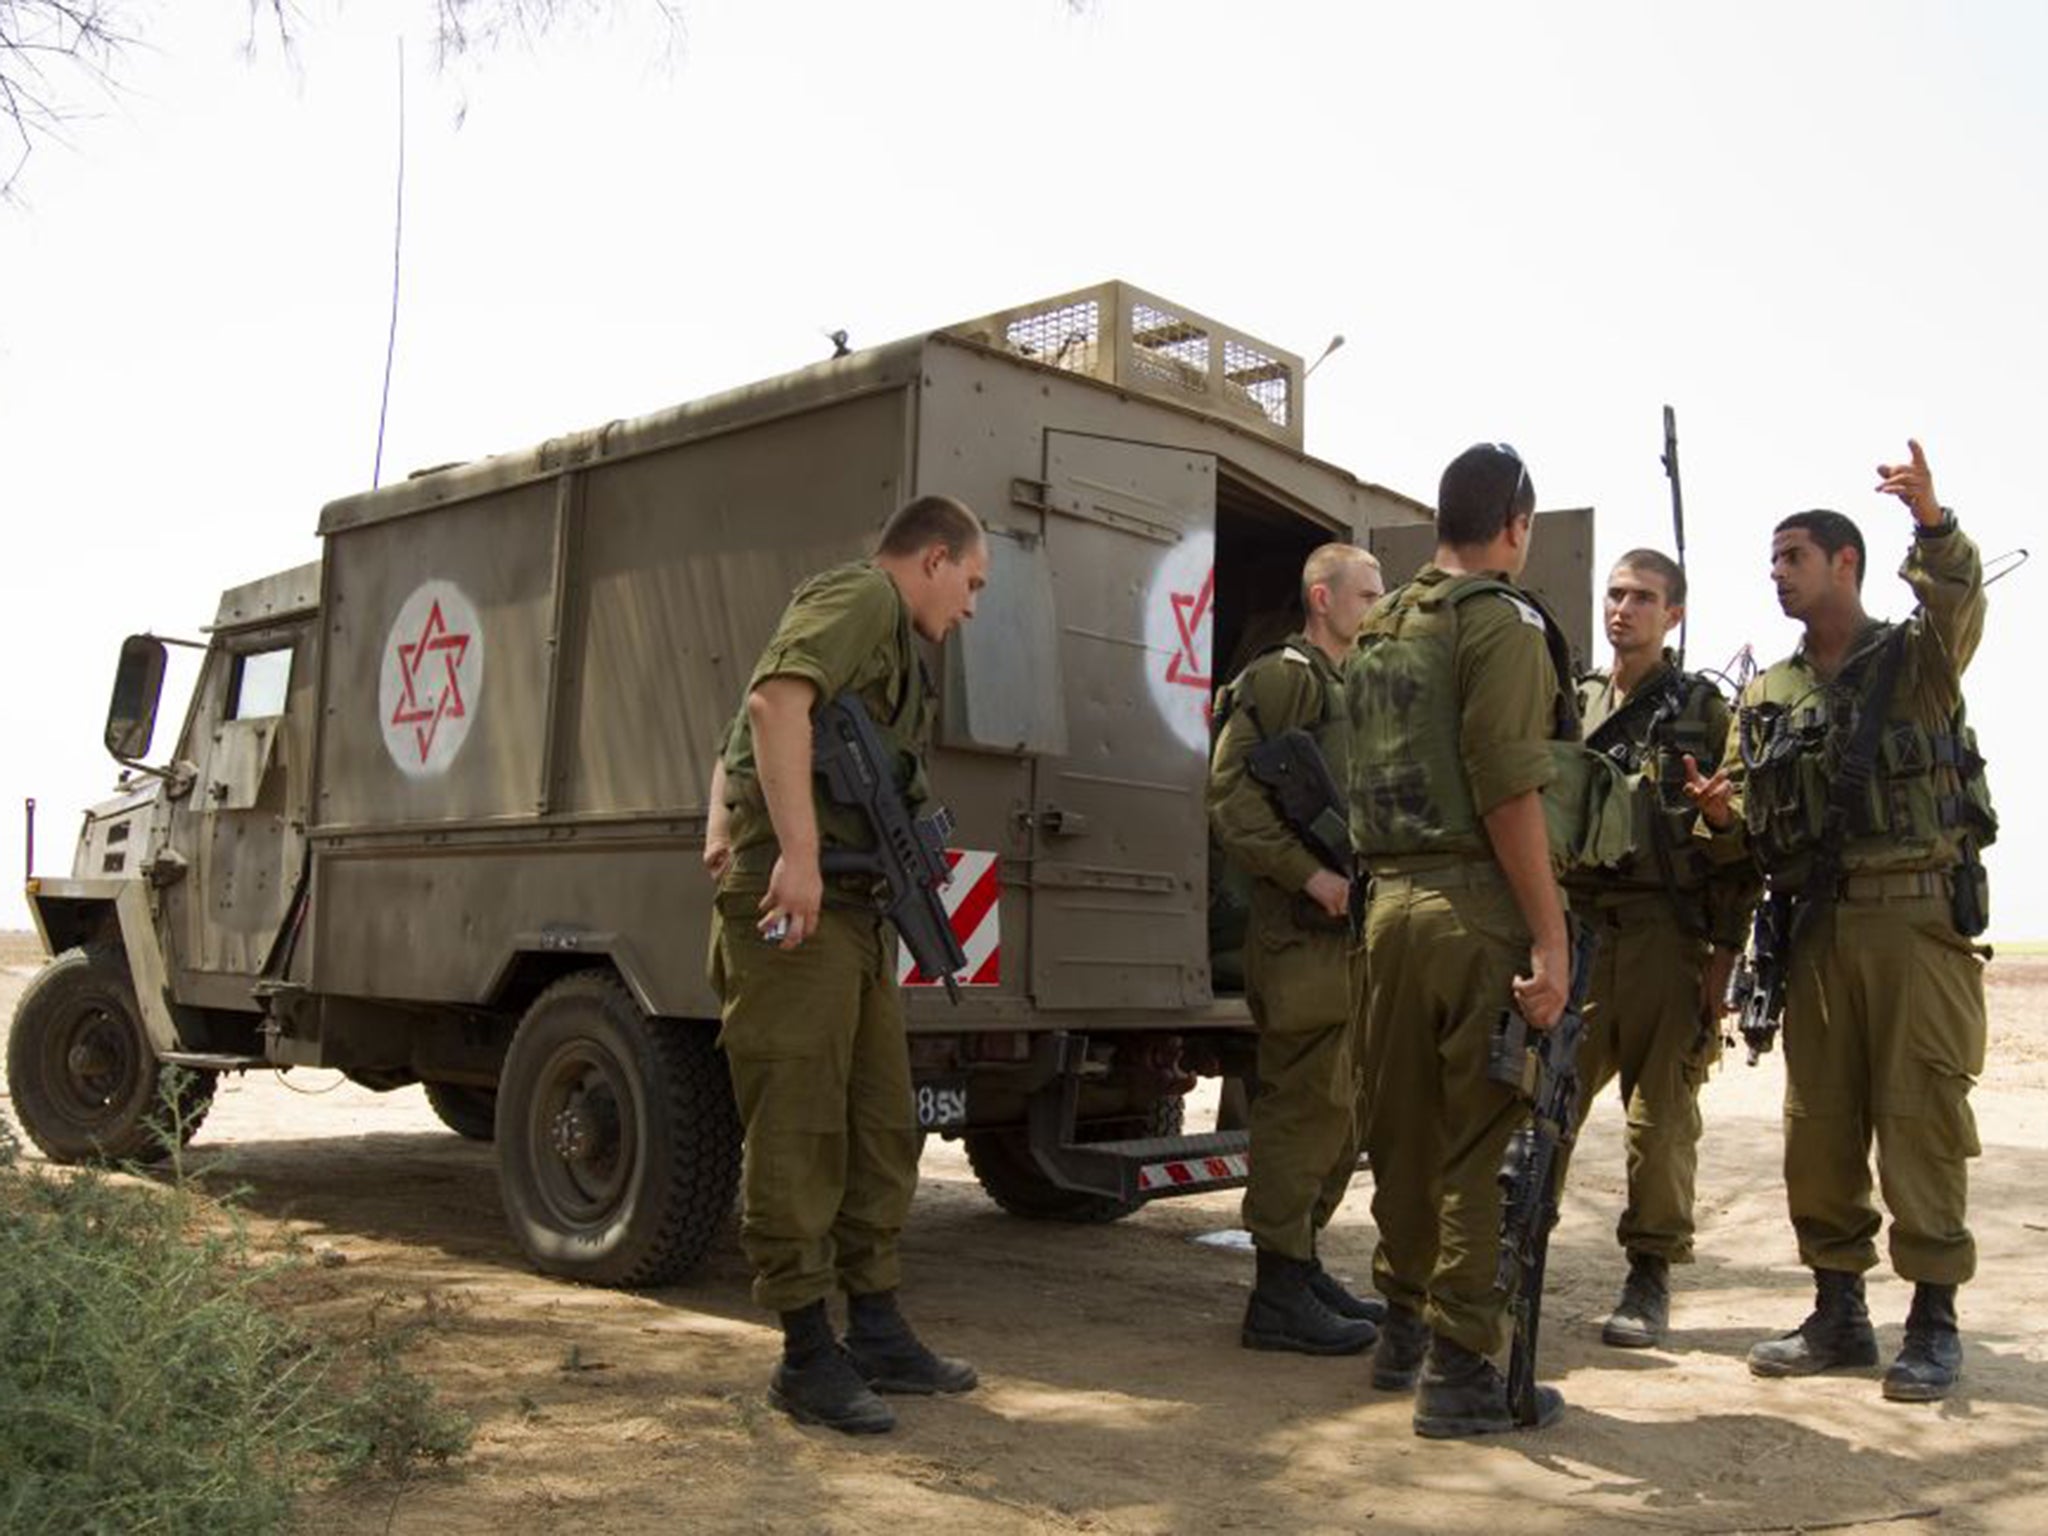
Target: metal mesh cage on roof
{"type": "Point", "coordinates": [1137, 341]}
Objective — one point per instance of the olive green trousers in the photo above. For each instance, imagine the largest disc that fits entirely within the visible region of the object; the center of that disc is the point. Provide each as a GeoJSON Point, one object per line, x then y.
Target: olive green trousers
{"type": "Point", "coordinates": [1439, 966]}
{"type": "Point", "coordinates": [1884, 1037]}
{"type": "Point", "coordinates": [1643, 1025]}
{"type": "Point", "coordinates": [814, 1037]}
{"type": "Point", "coordinates": [1304, 1119]}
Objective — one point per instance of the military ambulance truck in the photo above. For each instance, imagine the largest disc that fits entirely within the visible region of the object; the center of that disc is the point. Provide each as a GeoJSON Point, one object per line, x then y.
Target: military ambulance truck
{"type": "Point", "coordinates": [437, 809]}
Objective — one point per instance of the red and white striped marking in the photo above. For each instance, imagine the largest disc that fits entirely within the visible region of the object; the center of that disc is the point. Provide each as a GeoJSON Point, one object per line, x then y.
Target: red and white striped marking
{"type": "Point", "coordinates": [1183, 1173]}
{"type": "Point", "coordinates": [973, 901]}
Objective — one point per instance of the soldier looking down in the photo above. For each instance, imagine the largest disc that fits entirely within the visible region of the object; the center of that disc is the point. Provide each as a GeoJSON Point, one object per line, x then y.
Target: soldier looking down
{"type": "Point", "coordinates": [813, 1023]}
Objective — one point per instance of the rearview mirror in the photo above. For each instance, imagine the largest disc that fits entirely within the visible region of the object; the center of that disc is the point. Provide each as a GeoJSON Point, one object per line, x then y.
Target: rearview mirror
{"type": "Point", "coordinates": [138, 683]}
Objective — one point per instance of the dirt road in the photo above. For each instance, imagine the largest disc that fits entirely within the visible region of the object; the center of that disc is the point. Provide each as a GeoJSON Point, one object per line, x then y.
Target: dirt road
{"type": "Point", "coordinates": [1115, 1398]}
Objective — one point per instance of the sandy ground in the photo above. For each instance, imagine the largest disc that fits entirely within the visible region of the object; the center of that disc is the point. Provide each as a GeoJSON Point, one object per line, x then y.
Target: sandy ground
{"type": "Point", "coordinates": [1114, 1397]}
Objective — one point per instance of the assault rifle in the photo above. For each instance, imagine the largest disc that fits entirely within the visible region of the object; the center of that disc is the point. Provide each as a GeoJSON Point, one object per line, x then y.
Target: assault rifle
{"type": "Point", "coordinates": [909, 856]}
{"type": "Point", "coordinates": [1757, 984]}
{"type": "Point", "coordinates": [1545, 1070]}
{"type": "Point", "coordinates": [1307, 798]}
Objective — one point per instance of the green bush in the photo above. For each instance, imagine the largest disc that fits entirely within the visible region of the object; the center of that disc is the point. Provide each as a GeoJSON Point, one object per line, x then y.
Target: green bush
{"type": "Point", "coordinates": [143, 1388]}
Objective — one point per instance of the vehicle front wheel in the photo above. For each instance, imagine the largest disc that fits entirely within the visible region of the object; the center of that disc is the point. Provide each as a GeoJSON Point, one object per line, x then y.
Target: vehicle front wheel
{"type": "Point", "coordinates": [618, 1138]}
{"type": "Point", "coordinates": [87, 1086]}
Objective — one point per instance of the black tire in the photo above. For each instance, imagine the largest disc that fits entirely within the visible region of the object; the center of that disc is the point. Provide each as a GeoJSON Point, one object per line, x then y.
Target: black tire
{"type": "Point", "coordinates": [1002, 1162]}
{"type": "Point", "coordinates": [87, 1085]}
{"type": "Point", "coordinates": [471, 1113]}
{"type": "Point", "coordinates": [618, 1138]}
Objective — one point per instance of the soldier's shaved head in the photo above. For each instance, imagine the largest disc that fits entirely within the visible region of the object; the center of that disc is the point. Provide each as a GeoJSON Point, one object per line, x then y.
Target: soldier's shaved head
{"type": "Point", "coordinates": [1326, 562]}
{"type": "Point", "coordinates": [930, 520]}
{"type": "Point", "coordinates": [1654, 562]}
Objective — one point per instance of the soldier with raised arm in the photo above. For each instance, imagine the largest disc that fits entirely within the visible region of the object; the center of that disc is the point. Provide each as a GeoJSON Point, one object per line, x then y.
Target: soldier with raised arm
{"type": "Point", "coordinates": [1305, 1126]}
{"type": "Point", "coordinates": [1851, 756]}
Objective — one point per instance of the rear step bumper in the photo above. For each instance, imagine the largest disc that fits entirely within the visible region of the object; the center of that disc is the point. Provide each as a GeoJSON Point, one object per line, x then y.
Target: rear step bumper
{"type": "Point", "coordinates": [1132, 1172]}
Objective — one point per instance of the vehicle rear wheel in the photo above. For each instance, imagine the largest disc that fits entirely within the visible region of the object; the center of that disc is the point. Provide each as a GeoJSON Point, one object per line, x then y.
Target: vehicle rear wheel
{"type": "Point", "coordinates": [1002, 1162]}
{"type": "Point", "coordinates": [87, 1086]}
{"type": "Point", "coordinates": [468, 1112]}
{"type": "Point", "coordinates": [618, 1139]}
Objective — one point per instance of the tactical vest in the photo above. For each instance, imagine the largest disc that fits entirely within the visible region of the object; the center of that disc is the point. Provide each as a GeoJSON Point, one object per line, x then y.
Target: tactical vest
{"type": "Point", "coordinates": [1649, 738]}
{"type": "Point", "coordinates": [1927, 792]}
{"type": "Point", "coordinates": [901, 702]}
{"type": "Point", "coordinates": [1410, 800]}
{"type": "Point", "coordinates": [1331, 737]}
{"type": "Point", "coordinates": [1233, 897]}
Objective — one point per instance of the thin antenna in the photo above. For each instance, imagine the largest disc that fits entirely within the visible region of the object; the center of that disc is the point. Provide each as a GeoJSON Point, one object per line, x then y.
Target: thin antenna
{"type": "Point", "coordinates": [1677, 515]}
{"type": "Point", "coordinates": [2001, 566]}
{"type": "Point", "coordinates": [397, 246]}
{"type": "Point", "coordinates": [1336, 341]}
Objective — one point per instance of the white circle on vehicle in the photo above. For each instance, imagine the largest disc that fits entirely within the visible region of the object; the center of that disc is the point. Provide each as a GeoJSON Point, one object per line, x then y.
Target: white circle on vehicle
{"type": "Point", "coordinates": [432, 679]}
{"type": "Point", "coordinates": [1180, 630]}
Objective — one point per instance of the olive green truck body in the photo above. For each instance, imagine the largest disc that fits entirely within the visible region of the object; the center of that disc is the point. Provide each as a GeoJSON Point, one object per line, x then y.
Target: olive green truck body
{"type": "Point", "coordinates": [437, 809]}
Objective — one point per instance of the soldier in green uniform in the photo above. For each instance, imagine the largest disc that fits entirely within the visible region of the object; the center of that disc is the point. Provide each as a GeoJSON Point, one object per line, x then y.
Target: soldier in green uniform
{"type": "Point", "coordinates": [1304, 1122]}
{"type": "Point", "coordinates": [813, 1024]}
{"type": "Point", "coordinates": [1884, 1008]}
{"type": "Point", "coordinates": [1462, 720]}
{"type": "Point", "coordinates": [1671, 921]}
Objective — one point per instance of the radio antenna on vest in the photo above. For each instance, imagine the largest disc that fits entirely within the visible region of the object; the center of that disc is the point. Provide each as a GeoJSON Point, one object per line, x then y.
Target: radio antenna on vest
{"type": "Point", "coordinates": [1677, 513]}
{"type": "Point", "coordinates": [2001, 566]}
{"type": "Point", "coordinates": [397, 246]}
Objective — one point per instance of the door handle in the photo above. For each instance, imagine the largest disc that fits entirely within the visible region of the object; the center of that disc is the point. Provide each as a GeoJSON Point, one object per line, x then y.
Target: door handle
{"type": "Point", "coordinates": [1056, 822]}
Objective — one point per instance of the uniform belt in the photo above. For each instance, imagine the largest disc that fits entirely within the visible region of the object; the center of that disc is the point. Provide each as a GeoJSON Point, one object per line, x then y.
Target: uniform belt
{"type": "Point", "coordinates": [1898, 885]}
{"type": "Point", "coordinates": [1619, 909]}
{"type": "Point", "coordinates": [1440, 877]}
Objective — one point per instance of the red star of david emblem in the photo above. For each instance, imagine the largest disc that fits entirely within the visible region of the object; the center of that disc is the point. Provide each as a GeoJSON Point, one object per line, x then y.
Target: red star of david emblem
{"type": "Point", "coordinates": [425, 714]}
{"type": "Point", "coordinates": [1189, 609]}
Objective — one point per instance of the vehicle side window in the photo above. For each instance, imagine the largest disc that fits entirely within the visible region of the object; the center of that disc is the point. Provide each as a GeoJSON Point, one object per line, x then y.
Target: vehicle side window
{"type": "Point", "coordinates": [260, 683]}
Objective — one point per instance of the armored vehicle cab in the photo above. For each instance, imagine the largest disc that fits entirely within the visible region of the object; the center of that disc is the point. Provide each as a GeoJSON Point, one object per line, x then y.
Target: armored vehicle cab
{"type": "Point", "coordinates": [437, 808]}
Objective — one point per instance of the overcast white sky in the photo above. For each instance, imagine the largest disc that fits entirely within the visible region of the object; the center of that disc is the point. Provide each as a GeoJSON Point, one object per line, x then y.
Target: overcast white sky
{"type": "Point", "coordinates": [1813, 228]}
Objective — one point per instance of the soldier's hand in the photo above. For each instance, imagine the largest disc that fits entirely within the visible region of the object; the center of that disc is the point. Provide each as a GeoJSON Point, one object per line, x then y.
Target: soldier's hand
{"type": "Point", "coordinates": [1541, 995]}
{"type": "Point", "coordinates": [1913, 484]}
{"type": "Point", "coordinates": [1715, 797]}
{"type": "Point", "coordinates": [789, 911]}
{"type": "Point", "coordinates": [717, 856]}
{"type": "Point", "coordinates": [1330, 891]}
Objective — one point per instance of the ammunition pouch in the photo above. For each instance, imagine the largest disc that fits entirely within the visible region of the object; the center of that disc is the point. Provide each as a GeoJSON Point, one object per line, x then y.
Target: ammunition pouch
{"type": "Point", "coordinates": [1588, 809]}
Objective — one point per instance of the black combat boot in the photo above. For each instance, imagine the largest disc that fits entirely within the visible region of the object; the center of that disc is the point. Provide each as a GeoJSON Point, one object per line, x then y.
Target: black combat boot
{"type": "Point", "coordinates": [1283, 1313]}
{"type": "Point", "coordinates": [1462, 1394]}
{"type": "Point", "coordinates": [1327, 1289]}
{"type": "Point", "coordinates": [817, 1384]}
{"type": "Point", "coordinates": [1644, 1311]}
{"type": "Point", "coordinates": [1836, 1334]}
{"type": "Point", "coordinates": [1933, 1355]}
{"type": "Point", "coordinates": [1404, 1338]}
{"type": "Point", "coordinates": [890, 1358]}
